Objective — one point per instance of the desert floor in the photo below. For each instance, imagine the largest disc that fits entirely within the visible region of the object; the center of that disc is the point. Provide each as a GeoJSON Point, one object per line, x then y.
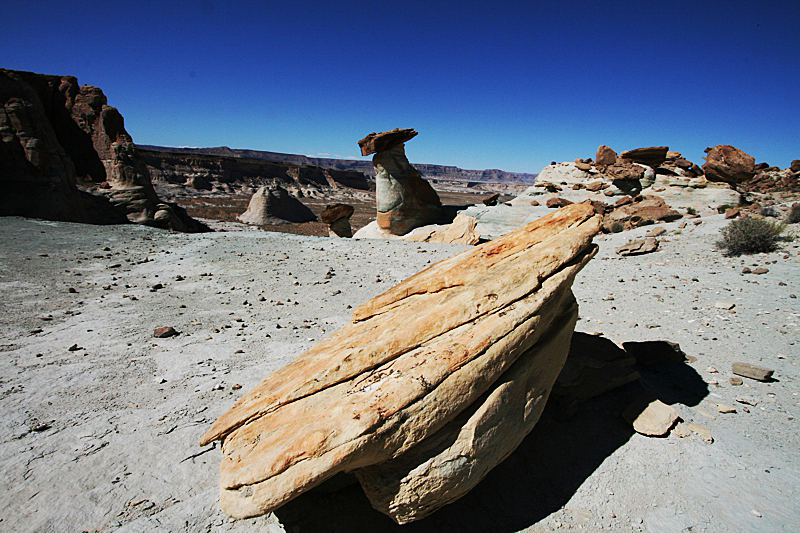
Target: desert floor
{"type": "Point", "coordinates": [100, 420]}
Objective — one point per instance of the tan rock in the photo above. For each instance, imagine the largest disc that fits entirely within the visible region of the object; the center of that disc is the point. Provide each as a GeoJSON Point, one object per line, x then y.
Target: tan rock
{"type": "Point", "coordinates": [702, 431]}
{"type": "Point", "coordinates": [752, 372]}
{"type": "Point", "coordinates": [651, 417]}
{"type": "Point", "coordinates": [448, 465]}
{"type": "Point", "coordinates": [409, 362]}
{"type": "Point", "coordinates": [461, 231]}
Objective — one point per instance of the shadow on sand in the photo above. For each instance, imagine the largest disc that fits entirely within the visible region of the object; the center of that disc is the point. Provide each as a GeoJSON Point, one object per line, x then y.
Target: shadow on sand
{"type": "Point", "coordinates": [538, 479]}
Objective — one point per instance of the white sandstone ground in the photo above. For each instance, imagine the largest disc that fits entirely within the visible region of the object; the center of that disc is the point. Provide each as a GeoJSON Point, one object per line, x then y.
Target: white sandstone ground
{"type": "Point", "coordinates": [103, 437]}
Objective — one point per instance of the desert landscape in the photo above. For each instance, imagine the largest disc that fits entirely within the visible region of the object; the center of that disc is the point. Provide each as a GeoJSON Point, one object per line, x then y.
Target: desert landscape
{"type": "Point", "coordinates": [140, 309]}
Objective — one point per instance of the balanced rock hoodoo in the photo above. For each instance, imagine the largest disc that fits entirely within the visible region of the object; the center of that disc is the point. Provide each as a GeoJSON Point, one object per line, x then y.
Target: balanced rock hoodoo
{"type": "Point", "coordinates": [428, 387]}
{"type": "Point", "coordinates": [404, 199]}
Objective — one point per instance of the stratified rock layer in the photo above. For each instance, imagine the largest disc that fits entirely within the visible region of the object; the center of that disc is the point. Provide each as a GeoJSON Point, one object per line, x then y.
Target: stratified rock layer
{"type": "Point", "coordinates": [442, 343]}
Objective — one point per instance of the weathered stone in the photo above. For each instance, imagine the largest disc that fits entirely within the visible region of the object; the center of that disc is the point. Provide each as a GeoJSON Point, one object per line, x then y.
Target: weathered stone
{"type": "Point", "coordinates": [752, 372]}
{"type": "Point", "coordinates": [595, 185]}
{"type": "Point", "coordinates": [378, 142]}
{"type": "Point", "coordinates": [164, 332]}
{"type": "Point", "coordinates": [736, 381]}
{"type": "Point", "coordinates": [728, 164]}
{"type": "Point", "coordinates": [655, 352]}
{"type": "Point", "coordinates": [681, 430]}
{"type": "Point", "coordinates": [651, 417]}
{"type": "Point", "coordinates": [605, 156]}
{"type": "Point", "coordinates": [404, 199]}
{"type": "Point", "coordinates": [725, 305]}
{"type": "Point", "coordinates": [702, 431]}
{"type": "Point", "coordinates": [461, 231]}
{"type": "Point", "coordinates": [652, 156]}
{"type": "Point", "coordinates": [274, 205]}
{"type": "Point", "coordinates": [731, 212]}
{"type": "Point", "coordinates": [795, 165]}
{"type": "Point", "coordinates": [491, 199]}
{"type": "Point", "coordinates": [340, 228]}
{"type": "Point", "coordinates": [409, 362]}
{"type": "Point", "coordinates": [656, 232]}
{"type": "Point", "coordinates": [642, 246]}
{"type": "Point", "coordinates": [335, 212]}
{"type": "Point", "coordinates": [555, 203]}
{"type": "Point", "coordinates": [644, 211]}
{"type": "Point", "coordinates": [580, 165]}
{"type": "Point", "coordinates": [725, 409]}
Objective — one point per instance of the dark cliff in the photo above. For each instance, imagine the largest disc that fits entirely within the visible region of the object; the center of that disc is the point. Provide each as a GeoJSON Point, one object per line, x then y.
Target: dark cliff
{"type": "Point", "coordinates": [56, 135]}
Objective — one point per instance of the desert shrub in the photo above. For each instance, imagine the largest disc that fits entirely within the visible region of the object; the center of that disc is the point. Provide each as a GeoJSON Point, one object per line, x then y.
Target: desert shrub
{"type": "Point", "coordinates": [678, 232]}
{"type": "Point", "coordinates": [769, 212]}
{"type": "Point", "coordinates": [617, 227]}
{"type": "Point", "coordinates": [794, 214]}
{"type": "Point", "coordinates": [691, 210]}
{"type": "Point", "coordinates": [750, 235]}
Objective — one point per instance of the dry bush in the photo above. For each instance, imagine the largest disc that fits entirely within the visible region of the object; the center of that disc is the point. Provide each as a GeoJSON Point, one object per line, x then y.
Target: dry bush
{"type": "Point", "coordinates": [750, 235]}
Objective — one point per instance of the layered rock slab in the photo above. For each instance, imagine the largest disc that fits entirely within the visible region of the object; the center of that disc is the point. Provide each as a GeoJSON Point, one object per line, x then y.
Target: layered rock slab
{"type": "Point", "coordinates": [409, 362]}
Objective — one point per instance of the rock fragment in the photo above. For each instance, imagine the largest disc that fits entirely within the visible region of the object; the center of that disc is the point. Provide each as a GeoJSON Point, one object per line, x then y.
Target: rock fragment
{"type": "Point", "coordinates": [752, 372]}
{"type": "Point", "coordinates": [642, 246]}
{"type": "Point", "coordinates": [651, 417]}
{"type": "Point", "coordinates": [702, 431]}
{"type": "Point", "coordinates": [164, 332]}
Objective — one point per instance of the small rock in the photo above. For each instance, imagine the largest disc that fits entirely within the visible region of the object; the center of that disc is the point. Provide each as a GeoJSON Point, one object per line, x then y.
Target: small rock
{"type": "Point", "coordinates": [724, 305]}
{"type": "Point", "coordinates": [72, 290]}
{"type": "Point", "coordinates": [164, 332]}
{"type": "Point", "coordinates": [746, 270]}
{"type": "Point", "coordinates": [752, 372]}
{"type": "Point", "coordinates": [760, 270]}
{"type": "Point", "coordinates": [681, 430]}
{"type": "Point", "coordinates": [156, 287]}
{"type": "Point", "coordinates": [736, 381]}
{"type": "Point", "coordinates": [749, 400]}
{"type": "Point", "coordinates": [702, 431]}
{"type": "Point", "coordinates": [712, 370]}
{"type": "Point", "coordinates": [236, 387]}
{"type": "Point", "coordinates": [755, 513]}
{"type": "Point", "coordinates": [74, 348]}
{"type": "Point", "coordinates": [722, 408]}
{"type": "Point", "coordinates": [651, 417]}
{"type": "Point", "coordinates": [644, 246]}
{"type": "Point", "coordinates": [655, 232]}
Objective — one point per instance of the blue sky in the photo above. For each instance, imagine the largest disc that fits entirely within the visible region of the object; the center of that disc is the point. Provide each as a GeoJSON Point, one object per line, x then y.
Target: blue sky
{"type": "Point", "coordinates": [486, 84]}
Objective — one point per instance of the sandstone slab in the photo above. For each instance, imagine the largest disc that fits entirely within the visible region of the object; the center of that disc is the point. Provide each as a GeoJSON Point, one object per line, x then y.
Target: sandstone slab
{"type": "Point", "coordinates": [408, 363]}
{"type": "Point", "coordinates": [378, 142]}
{"type": "Point", "coordinates": [651, 417]}
{"type": "Point", "coordinates": [752, 372]}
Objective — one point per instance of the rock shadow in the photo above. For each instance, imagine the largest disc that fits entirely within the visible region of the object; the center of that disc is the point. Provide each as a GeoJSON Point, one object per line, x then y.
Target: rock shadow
{"type": "Point", "coordinates": [538, 479]}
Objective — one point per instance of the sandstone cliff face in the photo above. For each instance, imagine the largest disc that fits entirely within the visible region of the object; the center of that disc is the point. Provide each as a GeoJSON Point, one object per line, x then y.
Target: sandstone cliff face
{"type": "Point", "coordinates": [55, 134]}
{"type": "Point", "coordinates": [36, 174]}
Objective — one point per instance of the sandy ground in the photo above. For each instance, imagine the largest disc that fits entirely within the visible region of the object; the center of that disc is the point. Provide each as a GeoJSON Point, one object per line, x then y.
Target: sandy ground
{"type": "Point", "coordinates": [100, 420]}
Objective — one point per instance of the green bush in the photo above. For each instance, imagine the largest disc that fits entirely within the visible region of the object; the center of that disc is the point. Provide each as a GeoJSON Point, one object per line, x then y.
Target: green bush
{"type": "Point", "coordinates": [750, 235]}
{"type": "Point", "coordinates": [617, 227]}
{"type": "Point", "coordinates": [794, 215]}
{"type": "Point", "coordinates": [691, 211]}
{"type": "Point", "coordinates": [724, 207]}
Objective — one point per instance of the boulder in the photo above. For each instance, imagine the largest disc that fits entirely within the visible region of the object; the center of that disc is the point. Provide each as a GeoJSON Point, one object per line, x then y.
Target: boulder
{"type": "Point", "coordinates": [642, 246]}
{"type": "Point", "coordinates": [795, 166]}
{"type": "Point", "coordinates": [404, 199]}
{"type": "Point", "coordinates": [272, 205]}
{"type": "Point", "coordinates": [605, 156]}
{"type": "Point", "coordinates": [643, 211]}
{"type": "Point", "coordinates": [652, 156]}
{"type": "Point", "coordinates": [335, 212]}
{"type": "Point", "coordinates": [491, 199]}
{"type": "Point", "coordinates": [460, 231]}
{"type": "Point", "coordinates": [728, 164]}
{"type": "Point", "coordinates": [562, 174]}
{"type": "Point", "coordinates": [557, 202]}
{"type": "Point", "coordinates": [435, 353]}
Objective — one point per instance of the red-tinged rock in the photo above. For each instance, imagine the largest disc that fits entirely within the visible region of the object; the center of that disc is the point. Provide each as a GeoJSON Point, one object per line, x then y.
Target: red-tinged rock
{"type": "Point", "coordinates": [652, 156]}
{"type": "Point", "coordinates": [643, 246]}
{"type": "Point", "coordinates": [334, 212]}
{"type": "Point", "coordinates": [164, 332]}
{"type": "Point", "coordinates": [795, 166]}
{"type": "Point", "coordinates": [554, 203]}
{"type": "Point", "coordinates": [378, 142]}
{"type": "Point", "coordinates": [732, 212]}
{"type": "Point", "coordinates": [605, 156]}
{"type": "Point", "coordinates": [491, 199]}
{"type": "Point", "coordinates": [728, 164]}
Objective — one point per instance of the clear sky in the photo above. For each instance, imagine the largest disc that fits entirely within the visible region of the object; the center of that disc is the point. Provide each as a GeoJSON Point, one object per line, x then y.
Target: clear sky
{"type": "Point", "coordinates": [509, 85]}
